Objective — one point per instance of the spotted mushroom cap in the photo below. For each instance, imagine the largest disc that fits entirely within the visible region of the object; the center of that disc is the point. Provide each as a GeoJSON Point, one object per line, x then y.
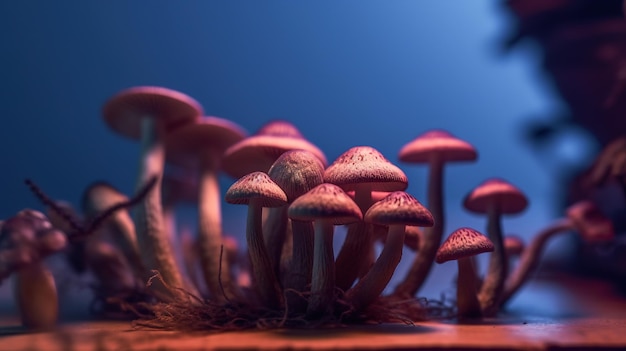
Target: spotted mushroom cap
{"type": "Point", "coordinates": [325, 201]}
{"type": "Point", "coordinates": [399, 208]}
{"type": "Point", "coordinates": [440, 143]}
{"type": "Point", "coordinates": [256, 186]}
{"type": "Point", "coordinates": [507, 198]}
{"type": "Point", "coordinates": [365, 166]}
{"type": "Point", "coordinates": [463, 242]}
{"type": "Point", "coordinates": [297, 172]}
{"type": "Point", "coordinates": [258, 152]}
{"type": "Point", "coordinates": [124, 111]}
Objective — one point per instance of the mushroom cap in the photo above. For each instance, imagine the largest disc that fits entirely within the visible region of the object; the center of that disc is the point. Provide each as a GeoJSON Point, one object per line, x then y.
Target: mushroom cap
{"type": "Point", "coordinates": [296, 172]}
{"type": "Point", "coordinates": [206, 134]}
{"type": "Point", "coordinates": [328, 202]}
{"type": "Point", "coordinates": [124, 111]}
{"type": "Point", "coordinates": [258, 186]}
{"type": "Point", "coordinates": [592, 225]}
{"type": "Point", "coordinates": [463, 242]}
{"type": "Point", "coordinates": [258, 152]}
{"type": "Point", "coordinates": [437, 142]}
{"type": "Point", "coordinates": [513, 245]}
{"type": "Point", "coordinates": [365, 166]}
{"type": "Point", "coordinates": [100, 196]}
{"type": "Point", "coordinates": [508, 198]}
{"type": "Point", "coordinates": [399, 208]}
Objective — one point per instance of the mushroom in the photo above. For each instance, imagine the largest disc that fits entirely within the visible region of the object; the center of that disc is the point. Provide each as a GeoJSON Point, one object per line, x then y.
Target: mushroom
{"type": "Point", "coordinates": [148, 114]}
{"type": "Point", "coordinates": [463, 245]}
{"type": "Point", "coordinates": [396, 211]}
{"type": "Point", "coordinates": [435, 148]}
{"type": "Point", "coordinates": [257, 190]}
{"type": "Point", "coordinates": [204, 143]}
{"type": "Point", "coordinates": [495, 197]}
{"type": "Point", "coordinates": [25, 240]}
{"type": "Point", "coordinates": [583, 217]}
{"type": "Point", "coordinates": [296, 172]}
{"type": "Point", "coordinates": [361, 169]}
{"type": "Point", "coordinates": [325, 205]}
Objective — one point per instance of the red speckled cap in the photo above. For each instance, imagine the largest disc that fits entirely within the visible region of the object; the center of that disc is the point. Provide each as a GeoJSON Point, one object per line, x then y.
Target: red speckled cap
{"type": "Point", "coordinates": [256, 185]}
{"type": "Point", "coordinates": [365, 166]}
{"type": "Point", "coordinates": [399, 208]}
{"type": "Point", "coordinates": [297, 172]}
{"type": "Point", "coordinates": [463, 242]}
{"type": "Point", "coordinates": [124, 111]}
{"type": "Point", "coordinates": [325, 201]}
{"type": "Point", "coordinates": [508, 198]}
{"type": "Point", "coordinates": [437, 142]}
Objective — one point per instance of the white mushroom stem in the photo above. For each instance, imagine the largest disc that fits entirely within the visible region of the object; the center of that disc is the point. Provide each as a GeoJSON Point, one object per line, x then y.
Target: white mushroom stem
{"type": "Point", "coordinates": [530, 258]}
{"type": "Point", "coordinates": [323, 280]}
{"type": "Point", "coordinates": [156, 251]}
{"type": "Point", "coordinates": [374, 282]}
{"type": "Point", "coordinates": [467, 302]}
{"type": "Point", "coordinates": [210, 231]}
{"type": "Point", "coordinates": [274, 231]}
{"type": "Point", "coordinates": [301, 267]}
{"type": "Point", "coordinates": [357, 245]}
{"type": "Point", "coordinates": [423, 261]}
{"type": "Point", "coordinates": [36, 295]}
{"type": "Point", "coordinates": [493, 285]}
{"type": "Point", "coordinates": [260, 264]}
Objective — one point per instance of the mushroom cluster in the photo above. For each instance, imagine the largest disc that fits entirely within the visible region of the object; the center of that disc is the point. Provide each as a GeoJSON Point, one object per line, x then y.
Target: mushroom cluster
{"type": "Point", "coordinates": [289, 274]}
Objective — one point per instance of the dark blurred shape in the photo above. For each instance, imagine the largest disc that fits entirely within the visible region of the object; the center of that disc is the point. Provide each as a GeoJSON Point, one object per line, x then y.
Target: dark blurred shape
{"type": "Point", "coordinates": [583, 49]}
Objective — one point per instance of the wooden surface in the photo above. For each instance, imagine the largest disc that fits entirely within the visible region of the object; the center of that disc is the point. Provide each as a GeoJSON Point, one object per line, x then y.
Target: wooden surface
{"type": "Point", "coordinates": [574, 313]}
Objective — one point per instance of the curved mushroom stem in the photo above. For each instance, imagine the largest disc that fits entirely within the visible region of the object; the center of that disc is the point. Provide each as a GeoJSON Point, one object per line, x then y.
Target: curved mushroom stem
{"type": "Point", "coordinates": [36, 296]}
{"type": "Point", "coordinates": [301, 268]}
{"type": "Point", "coordinates": [530, 258]}
{"type": "Point", "coordinates": [323, 280]}
{"type": "Point", "coordinates": [493, 285]}
{"type": "Point", "coordinates": [357, 245]}
{"type": "Point", "coordinates": [375, 281]}
{"type": "Point", "coordinates": [424, 259]}
{"type": "Point", "coordinates": [274, 232]}
{"type": "Point", "coordinates": [210, 232]}
{"type": "Point", "coordinates": [156, 251]}
{"type": "Point", "coordinates": [127, 239]}
{"type": "Point", "coordinates": [467, 289]}
{"type": "Point", "coordinates": [260, 264]}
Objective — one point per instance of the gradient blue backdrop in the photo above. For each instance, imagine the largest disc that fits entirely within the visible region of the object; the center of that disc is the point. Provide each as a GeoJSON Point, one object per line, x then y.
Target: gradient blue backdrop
{"type": "Point", "coordinates": [346, 73]}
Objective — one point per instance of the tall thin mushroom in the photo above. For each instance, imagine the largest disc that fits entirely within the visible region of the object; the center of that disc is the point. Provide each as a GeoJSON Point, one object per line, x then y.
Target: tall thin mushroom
{"type": "Point", "coordinates": [149, 113]}
{"type": "Point", "coordinates": [435, 148]}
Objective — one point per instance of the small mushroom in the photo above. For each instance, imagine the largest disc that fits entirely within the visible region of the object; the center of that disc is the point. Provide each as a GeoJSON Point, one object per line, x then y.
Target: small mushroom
{"type": "Point", "coordinates": [396, 211]}
{"type": "Point", "coordinates": [25, 240]}
{"type": "Point", "coordinates": [435, 148]}
{"type": "Point", "coordinates": [257, 190]}
{"type": "Point", "coordinates": [325, 205]}
{"type": "Point", "coordinates": [463, 245]}
{"type": "Point", "coordinates": [495, 197]}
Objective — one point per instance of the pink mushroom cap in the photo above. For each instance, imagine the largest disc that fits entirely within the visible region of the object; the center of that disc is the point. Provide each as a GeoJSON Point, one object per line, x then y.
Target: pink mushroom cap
{"type": "Point", "coordinates": [440, 143]}
{"type": "Point", "coordinates": [508, 198]}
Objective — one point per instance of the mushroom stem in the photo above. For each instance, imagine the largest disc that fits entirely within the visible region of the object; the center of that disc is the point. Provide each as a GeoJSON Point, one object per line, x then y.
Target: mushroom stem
{"type": "Point", "coordinates": [530, 258]}
{"type": "Point", "coordinates": [275, 231]}
{"type": "Point", "coordinates": [467, 302]}
{"type": "Point", "coordinates": [301, 268]}
{"type": "Point", "coordinates": [424, 259]}
{"type": "Point", "coordinates": [493, 286]}
{"type": "Point", "coordinates": [156, 250]}
{"type": "Point", "coordinates": [125, 229]}
{"type": "Point", "coordinates": [357, 245]}
{"type": "Point", "coordinates": [210, 232]}
{"type": "Point", "coordinates": [36, 294]}
{"type": "Point", "coordinates": [375, 281]}
{"type": "Point", "coordinates": [323, 280]}
{"type": "Point", "coordinates": [260, 264]}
